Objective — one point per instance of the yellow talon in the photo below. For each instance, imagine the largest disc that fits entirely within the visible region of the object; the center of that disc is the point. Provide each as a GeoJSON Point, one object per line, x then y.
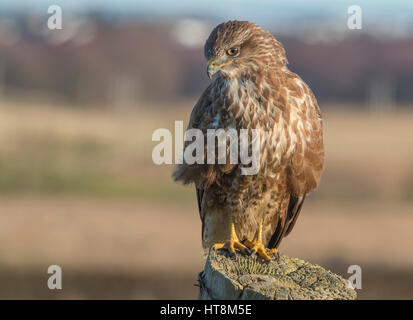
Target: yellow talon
{"type": "Point", "coordinates": [232, 244]}
{"type": "Point", "coordinates": [255, 245]}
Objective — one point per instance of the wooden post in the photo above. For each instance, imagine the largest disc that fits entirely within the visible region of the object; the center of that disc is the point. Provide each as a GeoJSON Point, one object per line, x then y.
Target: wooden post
{"type": "Point", "coordinates": [248, 278]}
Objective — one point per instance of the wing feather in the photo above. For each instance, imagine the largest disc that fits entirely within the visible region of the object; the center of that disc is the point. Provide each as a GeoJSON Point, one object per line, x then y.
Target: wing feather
{"type": "Point", "coordinates": [285, 225]}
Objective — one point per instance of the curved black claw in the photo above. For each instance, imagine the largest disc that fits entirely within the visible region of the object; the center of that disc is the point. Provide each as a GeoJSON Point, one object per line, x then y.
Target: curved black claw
{"type": "Point", "coordinates": [232, 255]}
{"type": "Point", "coordinates": [275, 259]}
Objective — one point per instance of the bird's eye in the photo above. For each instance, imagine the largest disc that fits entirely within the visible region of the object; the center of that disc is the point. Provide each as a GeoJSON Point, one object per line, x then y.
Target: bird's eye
{"type": "Point", "coordinates": [232, 52]}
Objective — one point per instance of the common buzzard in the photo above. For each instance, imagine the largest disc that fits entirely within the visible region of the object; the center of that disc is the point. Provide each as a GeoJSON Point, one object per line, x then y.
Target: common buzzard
{"type": "Point", "coordinates": [253, 88]}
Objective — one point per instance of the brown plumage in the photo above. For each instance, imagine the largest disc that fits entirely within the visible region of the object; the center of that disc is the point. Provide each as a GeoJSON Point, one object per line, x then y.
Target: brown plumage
{"type": "Point", "coordinates": [253, 88]}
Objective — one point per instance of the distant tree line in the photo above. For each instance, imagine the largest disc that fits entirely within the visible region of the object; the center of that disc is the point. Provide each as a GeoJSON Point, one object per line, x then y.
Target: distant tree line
{"type": "Point", "coordinates": [121, 64]}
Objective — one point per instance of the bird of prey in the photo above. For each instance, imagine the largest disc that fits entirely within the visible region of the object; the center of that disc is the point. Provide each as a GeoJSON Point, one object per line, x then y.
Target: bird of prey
{"type": "Point", "coordinates": [252, 88]}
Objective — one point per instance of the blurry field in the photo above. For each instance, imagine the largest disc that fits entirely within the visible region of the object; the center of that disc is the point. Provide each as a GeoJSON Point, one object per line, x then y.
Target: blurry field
{"type": "Point", "coordinates": [78, 188]}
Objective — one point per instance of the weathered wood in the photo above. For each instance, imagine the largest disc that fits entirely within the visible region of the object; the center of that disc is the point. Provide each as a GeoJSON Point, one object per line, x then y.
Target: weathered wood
{"type": "Point", "coordinates": [248, 278]}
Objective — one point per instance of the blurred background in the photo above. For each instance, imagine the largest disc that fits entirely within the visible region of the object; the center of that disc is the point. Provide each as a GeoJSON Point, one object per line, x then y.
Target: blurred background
{"type": "Point", "coordinates": [78, 107]}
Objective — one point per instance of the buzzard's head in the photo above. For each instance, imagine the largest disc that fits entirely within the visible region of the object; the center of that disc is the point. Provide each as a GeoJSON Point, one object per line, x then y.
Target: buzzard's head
{"type": "Point", "coordinates": [235, 48]}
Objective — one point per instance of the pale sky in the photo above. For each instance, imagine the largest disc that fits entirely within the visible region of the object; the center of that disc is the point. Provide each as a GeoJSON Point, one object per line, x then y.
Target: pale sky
{"type": "Point", "coordinates": [395, 14]}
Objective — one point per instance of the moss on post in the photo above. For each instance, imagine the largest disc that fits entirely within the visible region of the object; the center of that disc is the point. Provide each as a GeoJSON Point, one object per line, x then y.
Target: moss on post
{"type": "Point", "coordinates": [247, 278]}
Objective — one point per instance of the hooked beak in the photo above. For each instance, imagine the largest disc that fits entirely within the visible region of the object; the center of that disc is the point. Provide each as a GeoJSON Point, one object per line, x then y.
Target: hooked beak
{"type": "Point", "coordinates": [213, 67]}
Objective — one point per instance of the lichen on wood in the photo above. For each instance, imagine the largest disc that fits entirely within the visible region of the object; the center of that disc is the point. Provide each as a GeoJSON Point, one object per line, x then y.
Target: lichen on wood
{"type": "Point", "coordinates": [248, 278]}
